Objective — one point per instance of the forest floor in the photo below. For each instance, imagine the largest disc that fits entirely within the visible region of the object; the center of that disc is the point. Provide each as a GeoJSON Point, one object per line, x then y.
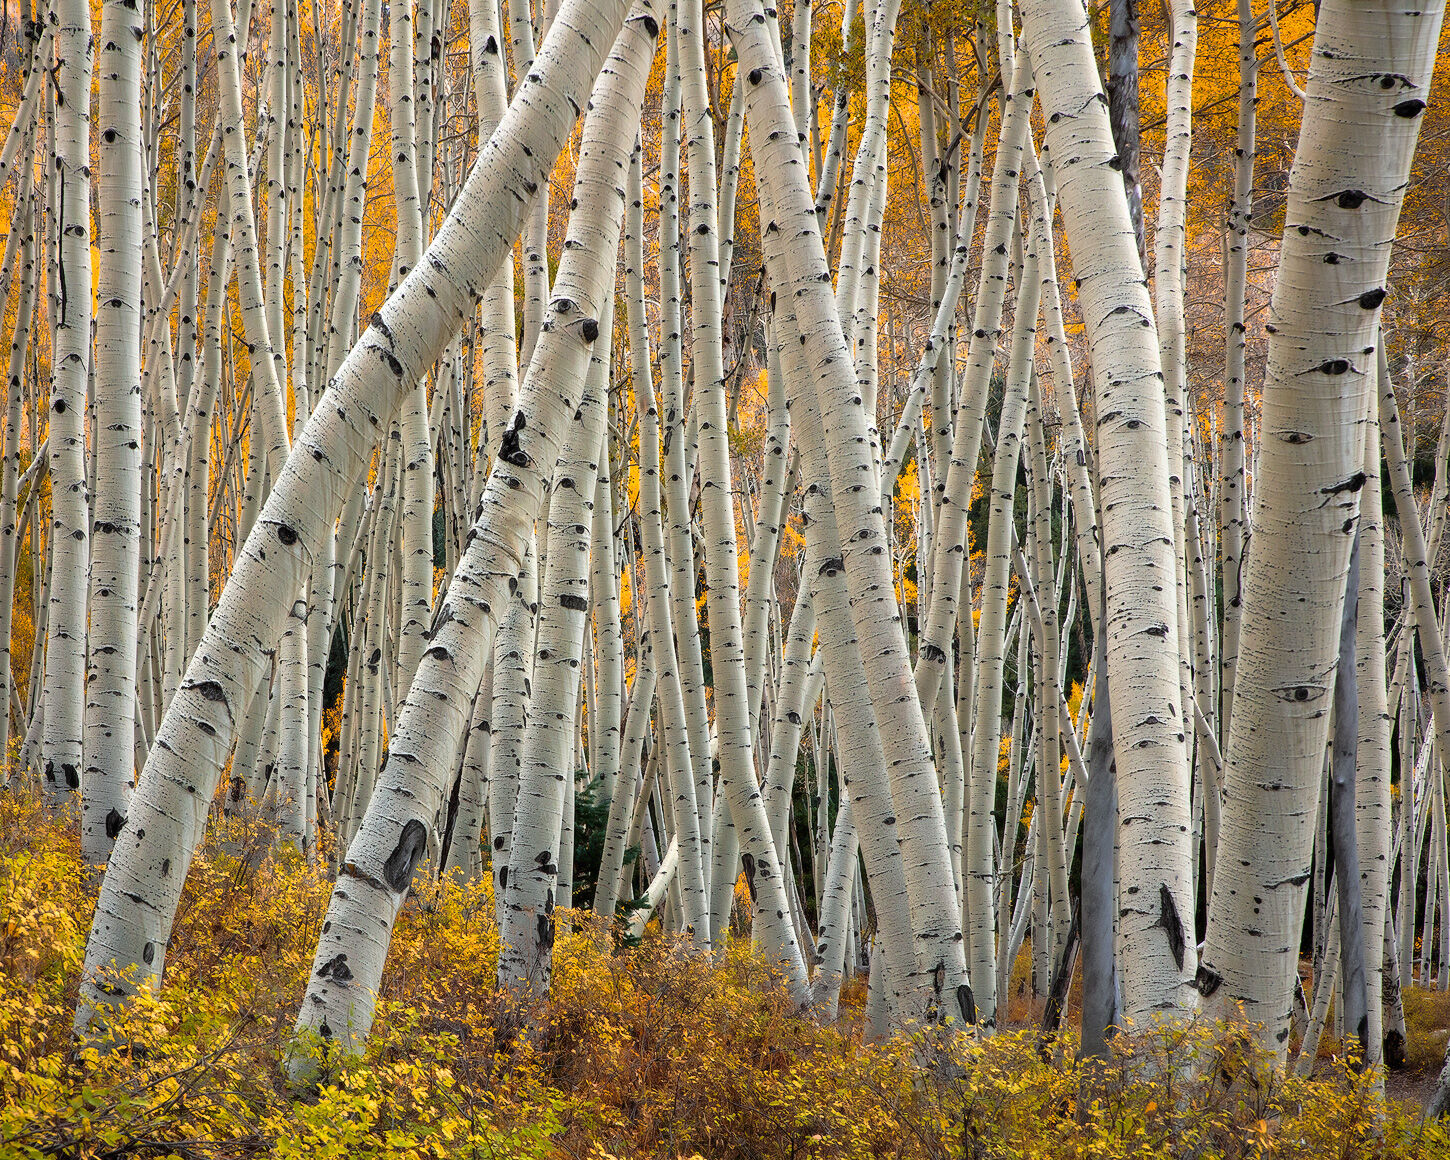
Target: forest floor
{"type": "Point", "coordinates": [649, 1051]}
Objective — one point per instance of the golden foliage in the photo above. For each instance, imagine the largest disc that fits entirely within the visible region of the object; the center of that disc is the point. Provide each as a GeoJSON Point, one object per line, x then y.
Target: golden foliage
{"type": "Point", "coordinates": [653, 1052]}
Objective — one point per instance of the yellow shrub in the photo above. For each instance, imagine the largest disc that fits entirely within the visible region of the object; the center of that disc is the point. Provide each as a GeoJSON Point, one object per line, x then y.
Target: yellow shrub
{"type": "Point", "coordinates": [654, 1052]}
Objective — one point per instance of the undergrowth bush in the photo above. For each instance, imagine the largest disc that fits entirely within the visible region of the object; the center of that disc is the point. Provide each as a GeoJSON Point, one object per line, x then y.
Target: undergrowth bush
{"type": "Point", "coordinates": [651, 1052]}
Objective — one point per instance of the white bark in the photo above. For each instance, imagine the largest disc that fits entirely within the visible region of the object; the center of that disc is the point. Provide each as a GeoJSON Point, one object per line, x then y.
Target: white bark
{"type": "Point", "coordinates": [1154, 790]}
{"type": "Point", "coordinates": [1348, 180]}
{"type": "Point", "coordinates": [169, 805]}
{"type": "Point", "coordinates": [800, 265]}
{"type": "Point", "coordinates": [376, 876]}
{"type": "Point", "coordinates": [116, 544]}
{"type": "Point", "coordinates": [65, 634]}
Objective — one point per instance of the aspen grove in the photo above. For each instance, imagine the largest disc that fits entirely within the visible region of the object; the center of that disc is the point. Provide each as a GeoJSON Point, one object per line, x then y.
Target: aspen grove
{"type": "Point", "coordinates": [945, 499]}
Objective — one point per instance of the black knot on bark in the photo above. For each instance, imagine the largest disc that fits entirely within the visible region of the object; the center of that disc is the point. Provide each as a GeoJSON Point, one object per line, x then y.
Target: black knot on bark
{"type": "Point", "coordinates": [756, 76]}
{"type": "Point", "coordinates": [1170, 922]}
{"type": "Point", "coordinates": [1353, 483]}
{"type": "Point", "coordinates": [210, 691]}
{"type": "Point", "coordinates": [747, 863]}
{"type": "Point", "coordinates": [589, 329]}
{"type": "Point", "coordinates": [1370, 299]}
{"type": "Point", "coordinates": [1207, 981]}
{"type": "Point", "coordinates": [286, 534]}
{"type": "Point", "coordinates": [1411, 108]}
{"type": "Point", "coordinates": [115, 820]}
{"type": "Point", "coordinates": [336, 969]}
{"type": "Point", "coordinates": [966, 1003]}
{"type": "Point", "coordinates": [651, 26]}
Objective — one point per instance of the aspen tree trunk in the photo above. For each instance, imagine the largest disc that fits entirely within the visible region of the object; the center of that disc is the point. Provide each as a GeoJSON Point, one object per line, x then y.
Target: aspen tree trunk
{"type": "Point", "coordinates": [1154, 790]}
{"type": "Point", "coordinates": [268, 363]}
{"type": "Point", "coordinates": [801, 266]}
{"type": "Point", "coordinates": [734, 725]}
{"type": "Point", "coordinates": [950, 547]}
{"type": "Point", "coordinates": [170, 803]}
{"type": "Point", "coordinates": [623, 803]}
{"type": "Point", "coordinates": [116, 532]}
{"type": "Point", "coordinates": [513, 656]}
{"type": "Point", "coordinates": [1437, 673]}
{"type": "Point", "coordinates": [1344, 843]}
{"type": "Point", "coordinates": [526, 929]}
{"type": "Point", "coordinates": [675, 458]}
{"type": "Point", "coordinates": [1354, 155]}
{"type": "Point", "coordinates": [1372, 792]}
{"type": "Point", "coordinates": [608, 717]}
{"type": "Point", "coordinates": [1122, 88]}
{"type": "Point", "coordinates": [679, 774]}
{"type": "Point", "coordinates": [1170, 268]}
{"type": "Point", "coordinates": [10, 533]}
{"type": "Point", "coordinates": [376, 876]}
{"type": "Point", "coordinates": [991, 630]}
{"type": "Point", "coordinates": [1233, 480]}
{"type": "Point", "coordinates": [65, 633]}
{"type": "Point", "coordinates": [289, 779]}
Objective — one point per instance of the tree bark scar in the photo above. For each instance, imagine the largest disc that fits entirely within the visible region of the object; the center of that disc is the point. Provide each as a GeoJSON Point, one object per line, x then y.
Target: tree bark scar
{"type": "Point", "coordinates": [748, 862]}
{"type": "Point", "coordinates": [546, 927]}
{"type": "Point", "coordinates": [1207, 981]}
{"type": "Point", "coordinates": [212, 691]}
{"type": "Point", "coordinates": [966, 1002]}
{"type": "Point", "coordinates": [115, 819]}
{"type": "Point", "coordinates": [398, 869]}
{"type": "Point", "coordinates": [1168, 919]}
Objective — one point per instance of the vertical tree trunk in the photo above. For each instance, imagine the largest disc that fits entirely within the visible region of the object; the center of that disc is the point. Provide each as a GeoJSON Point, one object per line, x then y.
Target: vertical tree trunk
{"type": "Point", "coordinates": [65, 636]}
{"type": "Point", "coordinates": [1122, 87]}
{"type": "Point", "coordinates": [1348, 180]}
{"type": "Point", "coordinates": [1373, 824]}
{"type": "Point", "coordinates": [1154, 791]}
{"type": "Point", "coordinates": [116, 544]}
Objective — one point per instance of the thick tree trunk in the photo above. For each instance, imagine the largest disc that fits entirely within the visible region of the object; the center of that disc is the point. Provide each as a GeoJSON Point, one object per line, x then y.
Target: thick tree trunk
{"type": "Point", "coordinates": [1348, 180]}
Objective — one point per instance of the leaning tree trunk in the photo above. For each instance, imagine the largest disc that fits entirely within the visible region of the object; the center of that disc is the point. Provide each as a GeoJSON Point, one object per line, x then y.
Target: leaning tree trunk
{"type": "Point", "coordinates": [793, 241]}
{"type": "Point", "coordinates": [378, 871]}
{"type": "Point", "coordinates": [734, 726]}
{"type": "Point", "coordinates": [138, 900]}
{"type": "Point", "coordinates": [526, 929]}
{"type": "Point", "coordinates": [1348, 181]}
